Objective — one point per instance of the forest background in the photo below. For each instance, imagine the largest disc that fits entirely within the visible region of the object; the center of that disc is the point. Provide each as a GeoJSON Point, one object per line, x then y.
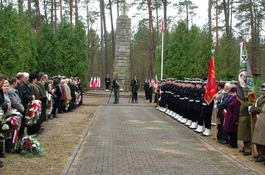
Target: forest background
{"type": "Point", "coordinates": [55, 37]}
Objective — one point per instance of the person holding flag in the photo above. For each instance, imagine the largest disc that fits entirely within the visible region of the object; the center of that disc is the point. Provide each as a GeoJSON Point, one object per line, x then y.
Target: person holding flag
{"type": "Point", "coordinates": [246, 96]}
{"type": "Point", "coordinates": [207, 105]}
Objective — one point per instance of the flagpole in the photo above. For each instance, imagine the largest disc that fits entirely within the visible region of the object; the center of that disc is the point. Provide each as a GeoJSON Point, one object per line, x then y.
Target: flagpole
{"type": "Point", "coordinates": [162, 56]}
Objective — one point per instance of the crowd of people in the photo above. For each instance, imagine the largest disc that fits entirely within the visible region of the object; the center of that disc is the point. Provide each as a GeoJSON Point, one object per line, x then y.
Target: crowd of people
{"type": "Point", "coordinates": [184, 101]}
{"type": "Point", "coordinates": [57, 94]}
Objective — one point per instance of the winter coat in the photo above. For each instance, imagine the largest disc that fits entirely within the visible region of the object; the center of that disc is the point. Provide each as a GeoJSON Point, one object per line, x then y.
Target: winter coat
{"type": "Point", "coordinates": [244, 124]}
{"type": "Point", "coordinates": [259, 128]}
{"type": "Point", "coordinates": [232, 115]}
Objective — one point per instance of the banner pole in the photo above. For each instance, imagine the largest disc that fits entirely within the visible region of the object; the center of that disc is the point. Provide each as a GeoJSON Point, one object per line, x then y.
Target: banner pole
{"type": "Point", "coordinates": [162, 56]}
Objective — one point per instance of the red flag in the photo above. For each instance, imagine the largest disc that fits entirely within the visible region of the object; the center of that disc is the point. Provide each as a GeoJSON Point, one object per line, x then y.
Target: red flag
{"type": "Point", "coordinates": [210, 90]}
{"type": "Point", "coordinates": [162, 26]}
{"type": "Point", "coordinates": [95, 83]}
{"type": "Point", "coordinates": [91, 82]}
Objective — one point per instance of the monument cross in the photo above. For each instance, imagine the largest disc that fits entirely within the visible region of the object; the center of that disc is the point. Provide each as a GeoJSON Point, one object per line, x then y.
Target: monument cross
{"type": "Point", "coordinates": [124, 8]}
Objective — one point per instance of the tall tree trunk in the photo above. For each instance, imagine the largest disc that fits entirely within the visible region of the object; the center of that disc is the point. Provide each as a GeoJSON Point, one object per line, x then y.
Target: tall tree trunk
{"type": "Point", "coordinates": [112, 37]}
{"type": "Point", "coordinates": [106, 68]}
{"type": "Point", "coordinates": [45, 11]}
{"type": "Point", "coordinates": [226, 15]}
{"type": "Point", "coordinates": [20, 7]}
{"type": "Point", "coordinates": [71, 11]}
{"type": "Point", "coordinates": [61, 10]}
{"type": "Point", "coordinates": [253, 54]}
{"type": "Point", "coordinates": [102, 37]}
{"type": "Point", "coordinates": [210, 17]}
{"type": "Point", "coordinates": [55, 16]}
{"type": "Point", "coordinates": [231, 18]}
{"type": "Point", "coordinates": [37, 13]}
{"type": "Point", "coordinates": [187, 16]}
{"type": "Point", "coordinates": [150, 22]}
{"type": "Point", "coordinates": [76, 11]}
{"type": "Point", "coordinates": [91, 71]}
{"type": "Point", "coordinates": [216, 22]}
{"type": "Point", "coordinates": [52, 2]}
{"type": "Point", "coordinates": [29, 10]}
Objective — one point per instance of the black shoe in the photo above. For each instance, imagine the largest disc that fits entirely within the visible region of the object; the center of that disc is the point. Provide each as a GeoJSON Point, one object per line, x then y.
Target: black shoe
{"type": "Point", "coordinates": [259, 160]}
{"type": "Point", "coordinates": [247, 153]}
{"type": "Point", "coordinates": [256, 156]}
{"type": "Point", "coordinates": [55, 116]}
{"type": "Point", "coordinates": [241, 150]}
{"type": "Point", "coordinates": [1, 164]}
{"type": "Point", "coordinates": [224, 142]}
{"type": "Point", "coordinates": [2, 155]}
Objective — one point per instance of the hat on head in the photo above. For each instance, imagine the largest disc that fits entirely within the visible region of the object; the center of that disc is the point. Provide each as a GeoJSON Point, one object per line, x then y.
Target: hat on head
{"type": "Point", "coordinates": [229, 85]}
{"type": "Point", "coordinates": [263, 87]}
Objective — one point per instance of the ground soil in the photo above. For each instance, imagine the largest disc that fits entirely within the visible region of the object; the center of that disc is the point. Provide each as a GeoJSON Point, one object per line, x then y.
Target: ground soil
{"type": "Point", "coordinates": [61, 136]}
{"type": "Point", "coordinates": [59, 139]}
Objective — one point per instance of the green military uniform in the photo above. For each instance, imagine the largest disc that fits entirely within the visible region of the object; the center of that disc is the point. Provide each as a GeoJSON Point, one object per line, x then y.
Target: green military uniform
{"type": "Point", "coordinates": [244, 128]}
{"type": "Point", "coordinates": [259, 129]}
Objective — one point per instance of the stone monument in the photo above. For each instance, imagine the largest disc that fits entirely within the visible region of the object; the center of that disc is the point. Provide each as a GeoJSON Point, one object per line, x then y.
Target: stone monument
{"type": "Point", "coordinates": [122, 64]}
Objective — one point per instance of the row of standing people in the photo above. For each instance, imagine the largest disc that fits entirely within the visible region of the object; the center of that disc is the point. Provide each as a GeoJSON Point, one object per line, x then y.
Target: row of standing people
{"type": "Point", "coordinates": [17, 92]}
{"type": "Point", "coordinates": [184, 101]}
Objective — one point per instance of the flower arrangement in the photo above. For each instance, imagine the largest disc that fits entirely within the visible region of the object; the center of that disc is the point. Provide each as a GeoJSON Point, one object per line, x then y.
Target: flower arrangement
{"type": "Point", "coordinates": [29, 146]}
{"type": "Point", "coordinates": [9, 124]}
{"type": "Point", "coordinates": [66, 103]}
{"type": "Point", "coordinates": [33, 112]}
{"type": "Point", "coordinates": [49, 104]}
{"type": "Point", "coordinates": [78, 97]}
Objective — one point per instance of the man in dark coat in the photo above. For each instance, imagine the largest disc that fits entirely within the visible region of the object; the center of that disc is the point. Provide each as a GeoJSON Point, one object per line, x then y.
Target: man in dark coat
{"type": "Point", "coordinates": [135, 86]}
{"type": "Point", "coordinates": [146, 87]}
{"type": "Point", "coordinates": [107, 82]}
{"type": "Point", "coordinates": [116, 88]}
{"type": "Point", "coordinates": [150, 92]}
{"type": "Point", "coordinates": [27, 97]}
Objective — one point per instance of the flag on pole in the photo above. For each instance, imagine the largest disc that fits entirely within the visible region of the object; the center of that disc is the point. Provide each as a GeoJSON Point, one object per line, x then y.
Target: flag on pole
{"type": "Point", "coordinates": [162, 26]}
{"type": "Point", "coordinates": [246, 90]}
{"type": "Point", "coordinates": [91, 83]}
{"type": "Point", "coordinates": [210, 90]}
{"type": "Point", "coordinates": [95, 83]}
{"type": "Point", "coordinates": [98, 82]}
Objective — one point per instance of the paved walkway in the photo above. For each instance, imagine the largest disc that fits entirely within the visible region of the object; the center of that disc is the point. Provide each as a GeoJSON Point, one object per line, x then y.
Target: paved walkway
{"type": "Point", "coordinates": [136, 138]}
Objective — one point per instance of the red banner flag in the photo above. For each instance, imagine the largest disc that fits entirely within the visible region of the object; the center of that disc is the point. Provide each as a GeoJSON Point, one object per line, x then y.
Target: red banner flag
{"type": "Point", "coordinates": [91, 83]}
{"type": "Point", "coordinates": [210, 90]}
{"type": "Point", "coordinates": [162, 26]}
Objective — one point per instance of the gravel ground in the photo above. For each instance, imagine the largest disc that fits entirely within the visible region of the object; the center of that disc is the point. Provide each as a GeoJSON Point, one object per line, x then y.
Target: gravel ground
{"type": "Point", "coordinates": [58, 141]}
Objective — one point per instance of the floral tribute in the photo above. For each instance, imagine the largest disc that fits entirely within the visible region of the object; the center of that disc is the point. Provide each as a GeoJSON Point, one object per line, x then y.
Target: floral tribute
{"type": "Point", "coordinates": [10, 124]}
{"type": "Point", "coordinates": [66, 103]}
{"type": "Point", "coordinates": [49, 104]}
{"type": "Point", "coordinates": [78, 97]}
{"type": "Point", "coordinates": [29, 146]}
{"type": "Point", "coordinates": [33, 112]}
